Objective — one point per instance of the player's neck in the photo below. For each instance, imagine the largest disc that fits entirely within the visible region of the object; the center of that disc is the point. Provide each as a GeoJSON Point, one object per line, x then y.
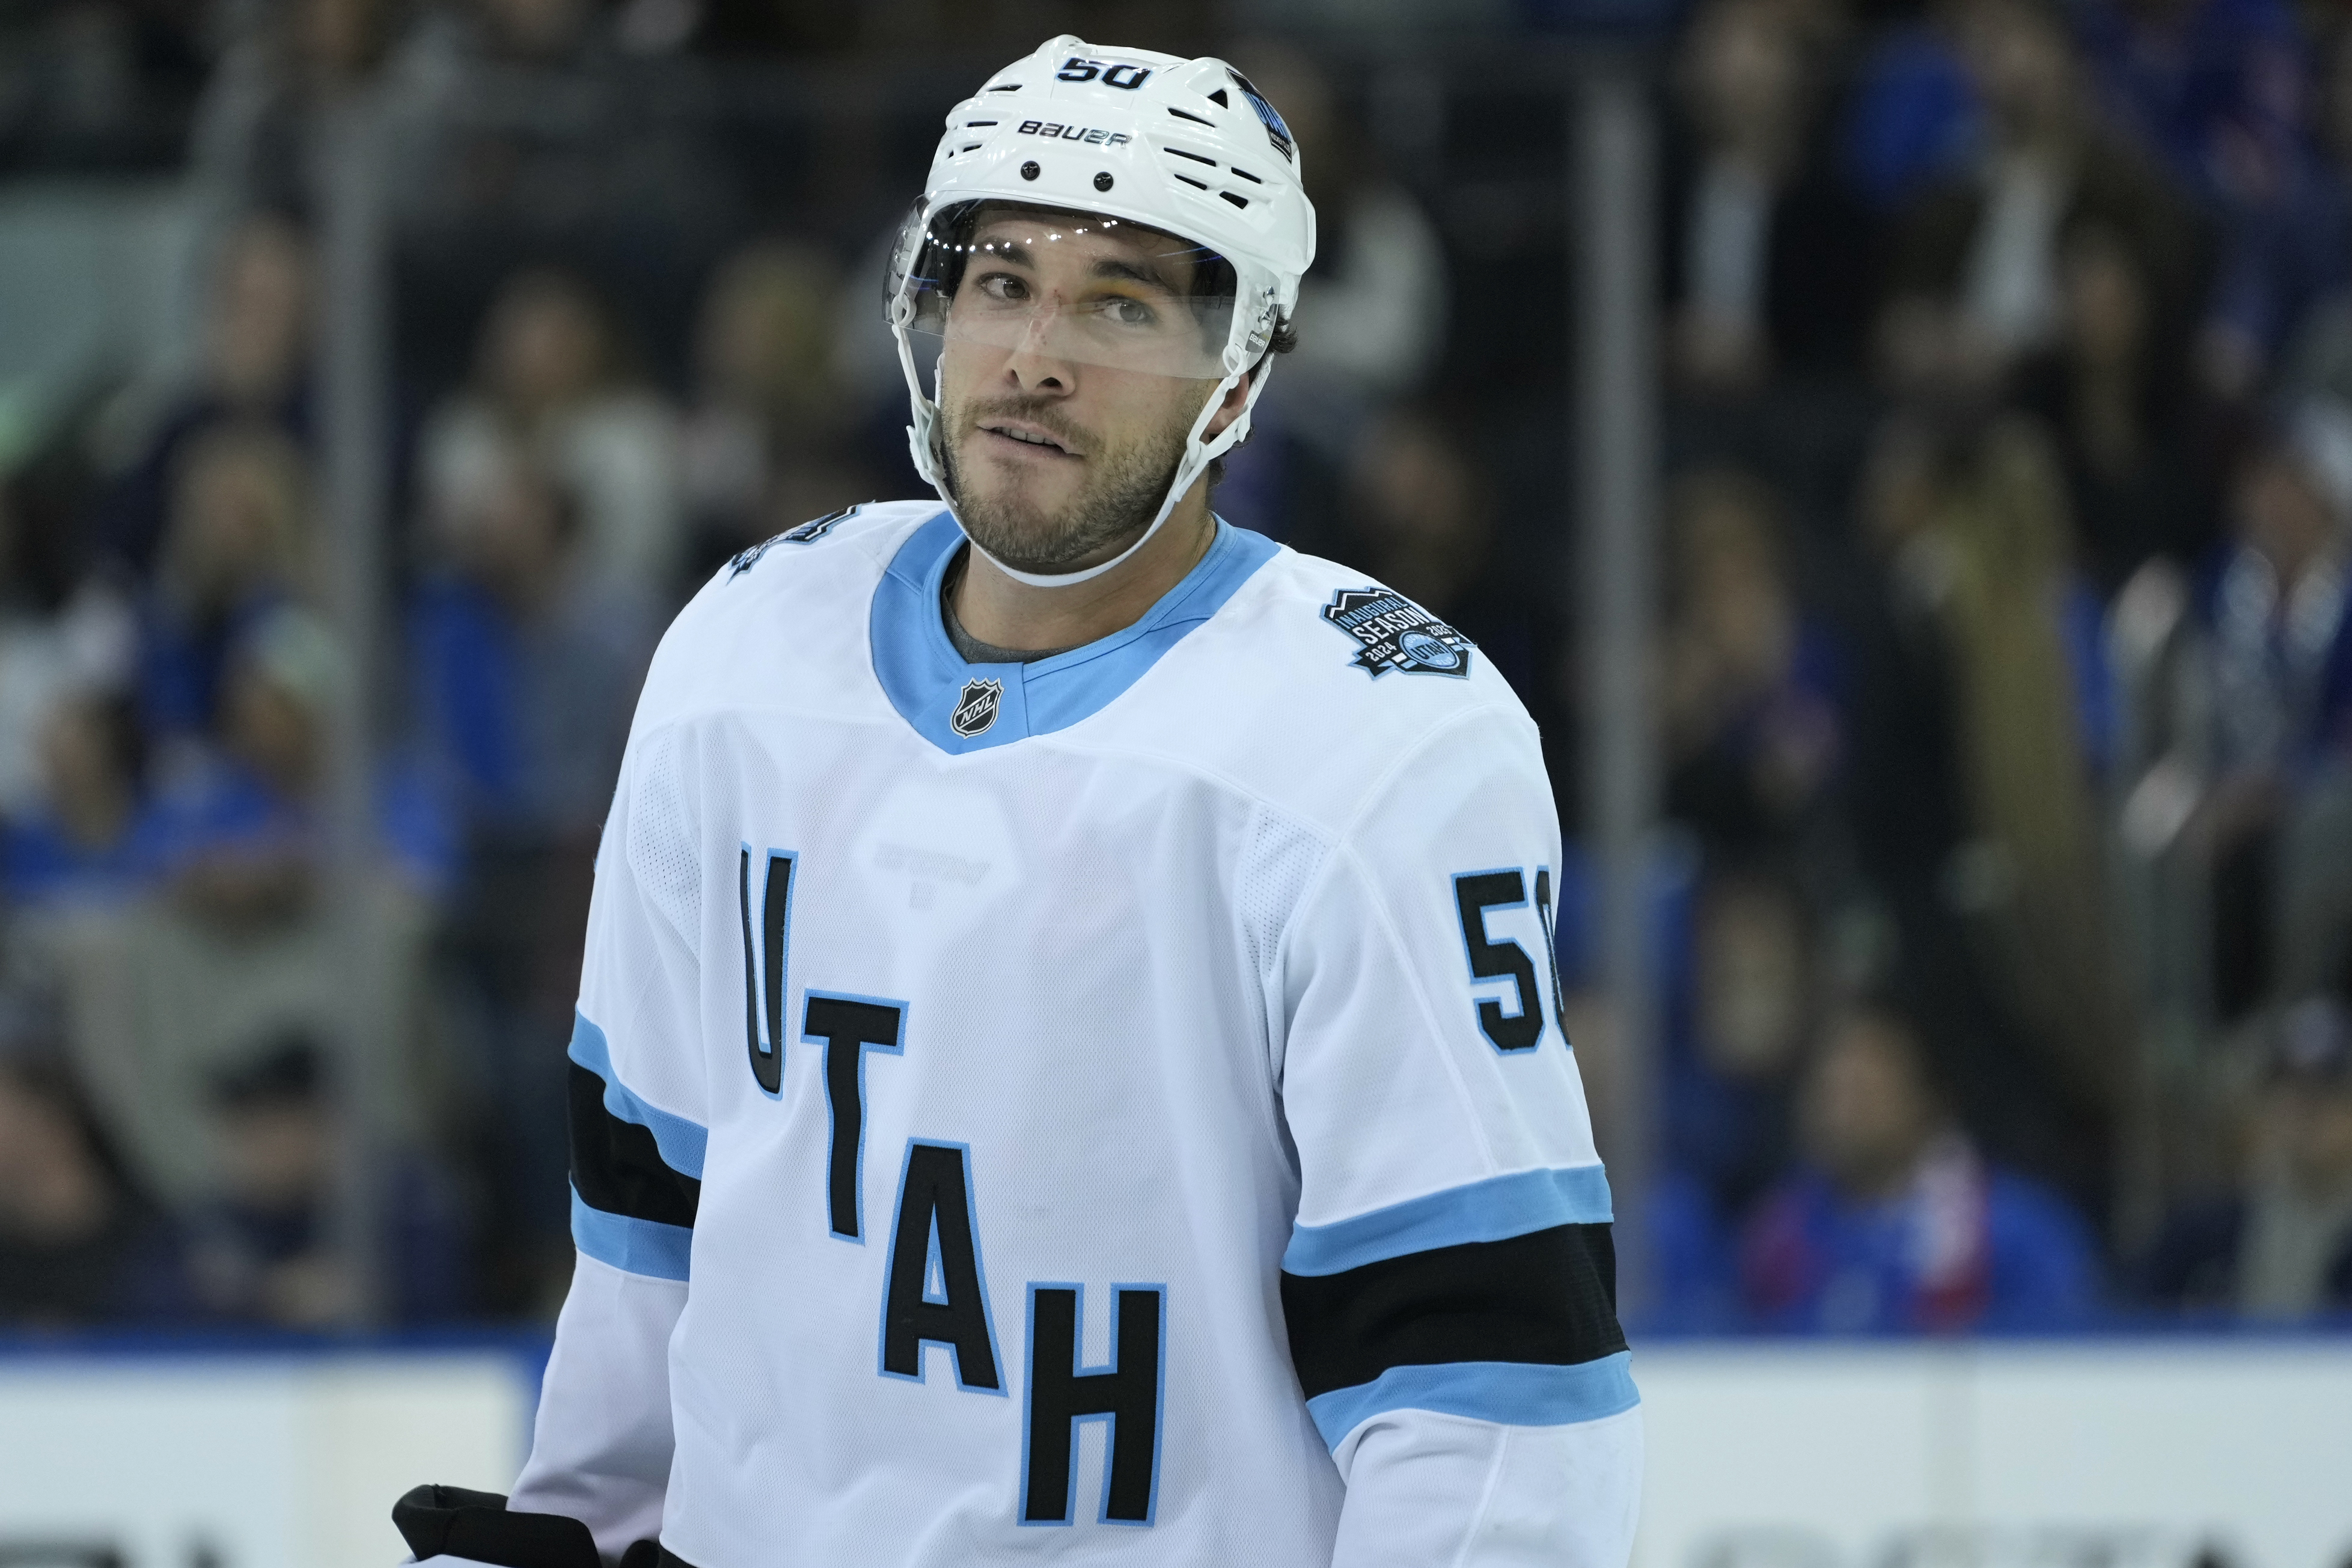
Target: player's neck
{"type": "Point", "coordinates": [997, 609]}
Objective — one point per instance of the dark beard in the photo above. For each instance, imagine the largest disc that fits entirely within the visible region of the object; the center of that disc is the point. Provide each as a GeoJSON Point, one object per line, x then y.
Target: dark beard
{"type": "Point", "coordinates": [1122, 495]}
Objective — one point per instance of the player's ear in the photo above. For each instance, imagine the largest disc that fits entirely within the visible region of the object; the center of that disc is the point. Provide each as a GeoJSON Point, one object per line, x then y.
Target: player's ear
{"type": "Point", "coordinates": [1236, 399]}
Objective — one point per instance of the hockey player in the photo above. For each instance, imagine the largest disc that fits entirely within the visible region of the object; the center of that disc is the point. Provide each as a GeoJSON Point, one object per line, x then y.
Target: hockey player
{"type": "Point", "coordinates": [1069, 1062]}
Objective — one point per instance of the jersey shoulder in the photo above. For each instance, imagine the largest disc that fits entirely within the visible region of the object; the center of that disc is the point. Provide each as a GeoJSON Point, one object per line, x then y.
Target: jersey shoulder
{"type": "Point", "coordinates": [785, 618]}
{"type": "Point", "coordinates": [852, 529]}
{"type": "Point", "coordinates": [1315, 681]}
{"type": "Point", "coordinates": [1342, 640]}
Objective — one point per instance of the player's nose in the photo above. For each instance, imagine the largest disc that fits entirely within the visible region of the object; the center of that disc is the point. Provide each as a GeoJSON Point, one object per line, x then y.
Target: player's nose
{"type": "Point", "coordinates": [1037, 363]}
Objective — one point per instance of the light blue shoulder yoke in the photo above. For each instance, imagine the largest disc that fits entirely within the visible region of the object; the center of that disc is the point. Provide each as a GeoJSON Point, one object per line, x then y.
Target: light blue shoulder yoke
{"type": "Point", "coordinates": [926, 679]}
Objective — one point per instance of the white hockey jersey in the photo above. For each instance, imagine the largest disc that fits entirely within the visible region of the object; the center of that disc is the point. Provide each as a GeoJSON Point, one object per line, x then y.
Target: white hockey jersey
{"type": "Point", "coordinates": [1110, 1108]}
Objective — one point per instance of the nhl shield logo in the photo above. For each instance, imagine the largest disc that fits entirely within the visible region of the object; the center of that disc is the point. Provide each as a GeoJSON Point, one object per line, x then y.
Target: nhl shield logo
{"type": "Point", "coordinates": [976, 709]}
{"type": "Point", "coordinates": [1395, 633]}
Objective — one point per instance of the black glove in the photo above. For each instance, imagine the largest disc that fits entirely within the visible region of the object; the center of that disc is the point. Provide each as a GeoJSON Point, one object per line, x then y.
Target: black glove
{"type": "Point", "coordinates": [452, 1522]}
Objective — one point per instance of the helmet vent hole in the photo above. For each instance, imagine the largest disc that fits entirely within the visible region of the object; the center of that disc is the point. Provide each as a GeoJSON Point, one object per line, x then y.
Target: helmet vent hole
{"type": "Point", "coordinates": [1030, 170]}
{"type": "Point", "coordinates": [1237, 201]}
{"type": "Point", "coordinates": [976, 124]}
{"type": "Point", "coordinates": [1008, 86]}
{"type": "Point", "coordinates": [1188, 180]}
{"type": "Point", "coordinates": [1195, 119]}
{"type": "Point", "coordinates": [1196, 157]}
{"type": "Point", "coordinates": [1103, 181]}
{"type": "Point", "coordinates": [1220, 99]}
{"type": "Point", "coordinates": [1246, 175]}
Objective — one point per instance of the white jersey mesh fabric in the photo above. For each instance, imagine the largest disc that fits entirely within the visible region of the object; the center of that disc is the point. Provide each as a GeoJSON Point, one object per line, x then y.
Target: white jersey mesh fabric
{"type": "Point", "coordinates": [663, 849]}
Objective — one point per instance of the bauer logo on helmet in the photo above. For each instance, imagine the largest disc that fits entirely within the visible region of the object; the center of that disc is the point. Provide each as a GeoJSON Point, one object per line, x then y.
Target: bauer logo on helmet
{"type": "Point", "coordinates": [1094, 135]}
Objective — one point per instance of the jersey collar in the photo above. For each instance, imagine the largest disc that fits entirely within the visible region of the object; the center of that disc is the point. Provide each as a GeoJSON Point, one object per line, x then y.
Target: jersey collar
{"type": "Point", "coordinates": [927, 681]}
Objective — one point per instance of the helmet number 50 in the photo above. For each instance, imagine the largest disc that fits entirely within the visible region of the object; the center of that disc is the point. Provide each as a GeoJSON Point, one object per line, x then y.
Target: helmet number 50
{"type": "Point", "coordinates": [1129, 77]}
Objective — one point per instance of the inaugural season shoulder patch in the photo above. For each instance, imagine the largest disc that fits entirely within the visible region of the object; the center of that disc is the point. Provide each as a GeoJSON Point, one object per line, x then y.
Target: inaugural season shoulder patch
{"type": "Point", "coordinates": [1397, 634]}
{"type": "Point", "coordinates": [807, 533]}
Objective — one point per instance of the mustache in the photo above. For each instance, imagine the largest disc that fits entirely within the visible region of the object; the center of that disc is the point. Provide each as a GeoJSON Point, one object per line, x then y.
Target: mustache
{"type": "Point", "coordinates": [1042, 413]}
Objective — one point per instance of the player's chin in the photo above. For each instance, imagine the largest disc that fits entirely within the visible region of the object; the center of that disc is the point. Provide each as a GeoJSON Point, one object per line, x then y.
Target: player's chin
{"type": "Point", "coordinates": [1027, 488]}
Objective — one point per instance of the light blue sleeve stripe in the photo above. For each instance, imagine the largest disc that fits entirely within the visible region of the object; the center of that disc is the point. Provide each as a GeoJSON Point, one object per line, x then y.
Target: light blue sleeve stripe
{"type": "Point", "coordinates": [1507, 1393]}
{"type": "Point", "coordinates": [632, 1246]}
{"type": "Point", "coordinates": [1495, 1209]}
{"type": "Point", "coordinates": [681, 1142]}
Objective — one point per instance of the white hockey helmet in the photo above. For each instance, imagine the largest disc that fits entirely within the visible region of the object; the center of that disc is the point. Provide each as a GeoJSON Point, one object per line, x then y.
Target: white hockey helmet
{"type": "Point", "coordinates": [1186, 147]}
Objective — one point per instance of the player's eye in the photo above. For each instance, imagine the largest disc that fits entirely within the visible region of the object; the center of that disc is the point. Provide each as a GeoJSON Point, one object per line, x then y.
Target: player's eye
{"type": "Point", "coordinates": [1004, 288]}
{"type": "Point", "coordinates": [1127, 311]}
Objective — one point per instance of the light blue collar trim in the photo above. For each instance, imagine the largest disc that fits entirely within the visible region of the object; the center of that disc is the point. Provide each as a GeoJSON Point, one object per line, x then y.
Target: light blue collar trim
{"type": "Point", "coordinates": [925, 677]}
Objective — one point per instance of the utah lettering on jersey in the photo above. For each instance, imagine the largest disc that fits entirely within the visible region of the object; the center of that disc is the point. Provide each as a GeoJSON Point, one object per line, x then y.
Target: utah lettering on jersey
{"type": "Point", "coordinates": [934, 1292]}
{"type": "Point", "coordinates": [1397, 634]}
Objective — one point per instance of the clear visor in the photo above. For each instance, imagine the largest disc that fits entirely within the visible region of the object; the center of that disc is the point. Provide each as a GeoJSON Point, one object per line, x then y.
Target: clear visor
{"type": "Point", "coordinates": [1075, 289]}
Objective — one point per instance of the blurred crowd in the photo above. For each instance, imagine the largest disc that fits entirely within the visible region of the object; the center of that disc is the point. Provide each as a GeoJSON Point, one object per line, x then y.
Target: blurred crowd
{"type": "Point", "coordinates": [2002, 679]}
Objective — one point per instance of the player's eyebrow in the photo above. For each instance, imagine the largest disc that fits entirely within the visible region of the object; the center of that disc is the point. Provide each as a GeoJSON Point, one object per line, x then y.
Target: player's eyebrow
{"type": "Point", "coordinates": [1012, 250]}
{"type": "Point", "coordinates": [1133, 272]}
{"type": "Point", "coordinates": [1018, 253]}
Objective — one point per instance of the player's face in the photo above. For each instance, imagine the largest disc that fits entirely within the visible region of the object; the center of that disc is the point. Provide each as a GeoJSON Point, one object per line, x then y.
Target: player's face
{"type": "Point", "coordinates": [1073, 370]}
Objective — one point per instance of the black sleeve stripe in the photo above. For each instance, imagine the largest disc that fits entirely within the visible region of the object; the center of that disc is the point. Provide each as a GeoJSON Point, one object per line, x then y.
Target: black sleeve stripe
{"type": "Point", "coordinates": [477, 1526]}
{"type": "Point", "coordinates": [617, 1167]}
{"type": "Point", "coordinates": [1548, 1298]}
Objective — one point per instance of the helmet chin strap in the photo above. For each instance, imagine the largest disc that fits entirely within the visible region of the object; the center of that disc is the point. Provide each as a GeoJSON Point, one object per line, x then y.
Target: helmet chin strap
{"type": "Point", "coordinates": [1197, 457]}
{"type": "Point", "coordinates": [923, 434]}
